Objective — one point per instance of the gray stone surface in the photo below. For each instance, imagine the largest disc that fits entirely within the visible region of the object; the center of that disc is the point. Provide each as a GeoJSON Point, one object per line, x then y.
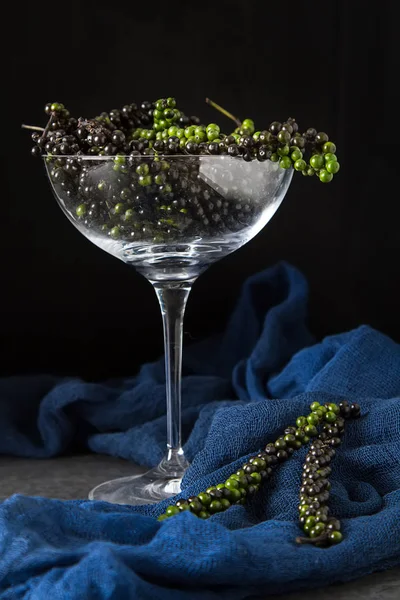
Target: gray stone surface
{"type": "Point", "coordinates": [73, 476]}
{"type": "Point", "coordinates": [65, 477]}
{"type": "Point", "coordinates": [378, 586]}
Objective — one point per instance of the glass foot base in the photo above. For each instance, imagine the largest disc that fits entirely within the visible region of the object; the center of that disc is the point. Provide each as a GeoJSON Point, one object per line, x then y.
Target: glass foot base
{"type": "Point", "coordinates": [157, 484]}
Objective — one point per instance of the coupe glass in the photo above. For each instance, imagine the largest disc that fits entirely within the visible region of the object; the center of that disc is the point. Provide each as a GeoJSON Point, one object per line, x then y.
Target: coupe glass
{"type": "Point", "coordinates": [170, 217]}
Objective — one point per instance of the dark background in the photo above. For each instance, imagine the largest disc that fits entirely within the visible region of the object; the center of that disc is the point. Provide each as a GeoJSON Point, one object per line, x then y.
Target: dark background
{"type": "Point", "coordinates": [68, 307]}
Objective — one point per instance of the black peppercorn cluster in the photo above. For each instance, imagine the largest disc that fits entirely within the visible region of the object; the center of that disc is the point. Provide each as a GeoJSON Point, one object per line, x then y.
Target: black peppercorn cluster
{"type": "Point", "coordinates": [318, 524]}
{"type": "Point", "coordinates": [321, 528]}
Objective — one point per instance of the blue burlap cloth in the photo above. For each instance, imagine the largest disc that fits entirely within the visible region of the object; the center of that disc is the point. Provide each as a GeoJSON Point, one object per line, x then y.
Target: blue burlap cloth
{"type": "Point", "coordinates": [238, 392]}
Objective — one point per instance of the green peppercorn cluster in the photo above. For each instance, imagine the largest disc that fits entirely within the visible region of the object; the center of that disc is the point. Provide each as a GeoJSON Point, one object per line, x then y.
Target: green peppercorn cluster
{"type": "Point", "coordinates": [321, 528]}
{"type": "Point", "coordinates": [160, 127]}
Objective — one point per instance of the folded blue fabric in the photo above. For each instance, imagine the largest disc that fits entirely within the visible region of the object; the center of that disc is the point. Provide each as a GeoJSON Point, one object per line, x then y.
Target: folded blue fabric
{"type": "Point", "coordinates": [239, 391]}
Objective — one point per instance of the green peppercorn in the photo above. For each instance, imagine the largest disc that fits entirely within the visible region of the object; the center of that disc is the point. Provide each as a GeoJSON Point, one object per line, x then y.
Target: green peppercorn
{"type": "Point", "coordinates": [330, 417]}
{"type": "Point", "coordinates": [283, 137]}
{"type": "Point", "coordinates": [296, 154]}
{"type": "Point", "coordinates": [81, 210]}
{"type": "Point", "coordinates": [259, 463]}
{"type": "Point", "coordinates": [189, 131]}
{"type": "Point", "coordinates": [212, 134]}
{"type": "Point", "coordinates": [203, 514]}
{"type": "Point", "coordinates": [284, 151]}
{"type": "Point", "coordinates": [200, 137]}
{"type": "Point", "coordinates": [319, 528]}
{"type": "Point", "coordinates": [159, 179]}
{"type": "Point", "coordinates": [329, 147]}
{"type": "Point", "coordinates": [317, 161]}
{"type": "Point", "coordinates": [196, 506]}
{"type": "Point", "coordinates": [169, 114]}
{"type": "Point", "coordinates": [300, 165]}
{"type": "Point", "coordinates": [249, 125]}
{"type": "Point", "coordinates": [301, 421]}
{"type": "Point", "coordinates": [215, 506]}
{"type": "Point", "coordinates": [172, 130]}
{"type": "Point", "coordinates": [324, 176]}
{"type": "Point", "coordinates": [115, 232]}
{"type": "Point", "coordinates": [311, 430]}
{"type": "Point", "coordinates": [205, 498]}
{"type": "Point", "coordinates": [332, 166]}
{"type": "Point", "coordinates": [119, 159]}
{"type": "Point", "coordinates": [313, 419]}
{"type": "Point", "coordinates": [235, 495]}
{"type": "Point", "coordinates": [225, 503]}
{"type": "Point", "coordinates": [280, 443]}
{"type": "Point", "coordinates": [57, 107]}
{"type": "Point", "coordinates": [335, 537]}
{"type": "Point", "coordinates": [256, 476]}
{"type": "Point", "coordinates": [312, 533]}
{"type": "Point", "coordinates": [289, 439]}
{"type": "Point", "coordinates": [145, 180]}
{"type": "Point", "coordinates": [172, 510]}
{"type": "Point", "coordinates": [231, 484]}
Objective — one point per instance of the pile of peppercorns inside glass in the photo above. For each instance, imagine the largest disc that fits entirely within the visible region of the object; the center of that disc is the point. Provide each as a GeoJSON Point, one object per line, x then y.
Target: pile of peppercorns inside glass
{"type": "Point", "coordinates": [149, 173]}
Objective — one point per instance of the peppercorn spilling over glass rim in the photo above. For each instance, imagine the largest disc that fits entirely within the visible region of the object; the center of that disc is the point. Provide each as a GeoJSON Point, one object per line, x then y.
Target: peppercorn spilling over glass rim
{"type": "Point", "coordinates": [160, 128]}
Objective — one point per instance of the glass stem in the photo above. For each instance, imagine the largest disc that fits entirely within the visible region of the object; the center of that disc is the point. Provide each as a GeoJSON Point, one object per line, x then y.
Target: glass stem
{"type": "Point", "coordinates": [172, 298]}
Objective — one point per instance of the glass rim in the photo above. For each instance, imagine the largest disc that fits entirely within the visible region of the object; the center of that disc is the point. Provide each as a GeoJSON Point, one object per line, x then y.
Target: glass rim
{"type": "Point", "coordinates": [150, 156]}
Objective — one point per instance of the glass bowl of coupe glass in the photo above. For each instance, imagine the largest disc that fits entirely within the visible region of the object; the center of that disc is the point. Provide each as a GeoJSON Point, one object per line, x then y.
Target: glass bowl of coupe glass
{"type": "Point", "coordinates": [170, 217]}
